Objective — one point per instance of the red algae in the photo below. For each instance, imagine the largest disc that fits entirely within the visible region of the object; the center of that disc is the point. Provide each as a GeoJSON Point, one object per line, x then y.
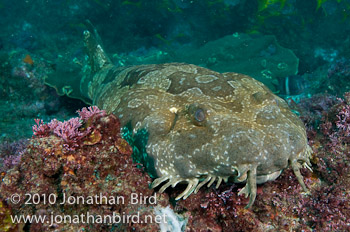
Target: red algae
{"type": "Point", "coordinates": [90, 158]}
{"type": "Point", "coordinates": [86, 160]}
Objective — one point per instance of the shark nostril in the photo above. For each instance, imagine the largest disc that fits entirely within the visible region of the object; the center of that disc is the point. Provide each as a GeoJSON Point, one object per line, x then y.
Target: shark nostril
{"type": "Point", "coordinates": [174, 122]}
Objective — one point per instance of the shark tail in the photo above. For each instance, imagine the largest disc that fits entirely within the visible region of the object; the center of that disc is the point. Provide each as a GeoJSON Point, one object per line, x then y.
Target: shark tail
{"type": "Point", "coordinates": [98, 58]}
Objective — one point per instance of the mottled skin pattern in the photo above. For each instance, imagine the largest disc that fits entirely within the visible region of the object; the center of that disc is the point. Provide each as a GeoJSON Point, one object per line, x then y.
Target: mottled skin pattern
{"type": "Point", "coordinates": [203, 126]}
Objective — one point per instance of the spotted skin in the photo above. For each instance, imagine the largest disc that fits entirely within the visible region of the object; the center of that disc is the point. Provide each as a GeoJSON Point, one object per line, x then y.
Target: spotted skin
{"type": "Point", "coordinates": [203, 126]}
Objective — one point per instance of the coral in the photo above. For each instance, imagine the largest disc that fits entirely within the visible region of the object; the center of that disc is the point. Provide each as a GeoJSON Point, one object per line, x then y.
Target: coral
{"type": "Point", "coordinates": [99, 165]}
{"type": "Point", "coordinates": [71, 131]}
{"type": "Point", "coordinates": [219, 210]}
{"type": "Point", "coordinates": [328, 209]}
{"type": "Point", "coordinates": [333, 159]}
{"type": "Point", "coordinates": [10, 154]}
{"type": "Point", "coordinates": [90, 112]}
{"type": "Point", "coordinates": [313, 109]}
{"type": "Point", "coordinates": [338, 76]}
{"type": "Point", "coordinates": [318, 112]}
{"type": "Point", "coordinates": [6, 224]}
{"type": "Point", "coordinates": [339, 67]}
{"type": "Point", "coordinates": [280, 206]}
{"type": "Point", "coordinates": [40, 129]}
{"type": "Point", "coordinates": [68, 130]}
{"type": "Point", "coordinates": [343, 123]}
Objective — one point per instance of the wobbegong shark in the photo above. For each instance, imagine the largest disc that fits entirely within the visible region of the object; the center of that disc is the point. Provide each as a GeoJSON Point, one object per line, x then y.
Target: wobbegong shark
{"type": "Point", "coordinates": [203, 126]}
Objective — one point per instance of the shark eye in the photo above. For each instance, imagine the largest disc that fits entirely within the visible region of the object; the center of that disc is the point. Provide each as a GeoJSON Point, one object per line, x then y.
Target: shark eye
{"type": "Point", "coordinates": [199, 115]}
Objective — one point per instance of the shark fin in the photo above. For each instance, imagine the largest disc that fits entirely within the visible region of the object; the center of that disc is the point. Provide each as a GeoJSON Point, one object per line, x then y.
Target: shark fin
{"type": "Point", "coordinates": [97, 56]}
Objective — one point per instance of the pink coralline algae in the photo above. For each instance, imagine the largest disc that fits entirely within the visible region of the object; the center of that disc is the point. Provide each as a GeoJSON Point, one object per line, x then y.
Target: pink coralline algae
{"type": "Point", "coordinates": [343, 123]}
{"type": "Point", "coordinates": [90, 112]}
{"type": "Point", "coordinates": [340, 67]}
{"type": "Point", "coordinates": [70, 131]}
{"type": "Point", "coordinates": [10, 154]}
{"type": "Point", "coordinates": [98, 163]}
{"type": "Point", "coordinates": [40, 129]}
{"type": "Point", "coordinates": [338, 76]}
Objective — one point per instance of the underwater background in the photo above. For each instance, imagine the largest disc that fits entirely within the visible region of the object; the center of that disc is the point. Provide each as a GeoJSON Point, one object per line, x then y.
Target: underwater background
{"type": "Point", "coordinates": [299, 49]}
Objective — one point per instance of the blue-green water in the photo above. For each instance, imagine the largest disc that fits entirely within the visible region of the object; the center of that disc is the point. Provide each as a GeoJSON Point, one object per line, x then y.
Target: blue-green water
{"type": "Point", "coordinates": [135, 32]}
{"type": "Point", "coordinates": [297, 48]}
